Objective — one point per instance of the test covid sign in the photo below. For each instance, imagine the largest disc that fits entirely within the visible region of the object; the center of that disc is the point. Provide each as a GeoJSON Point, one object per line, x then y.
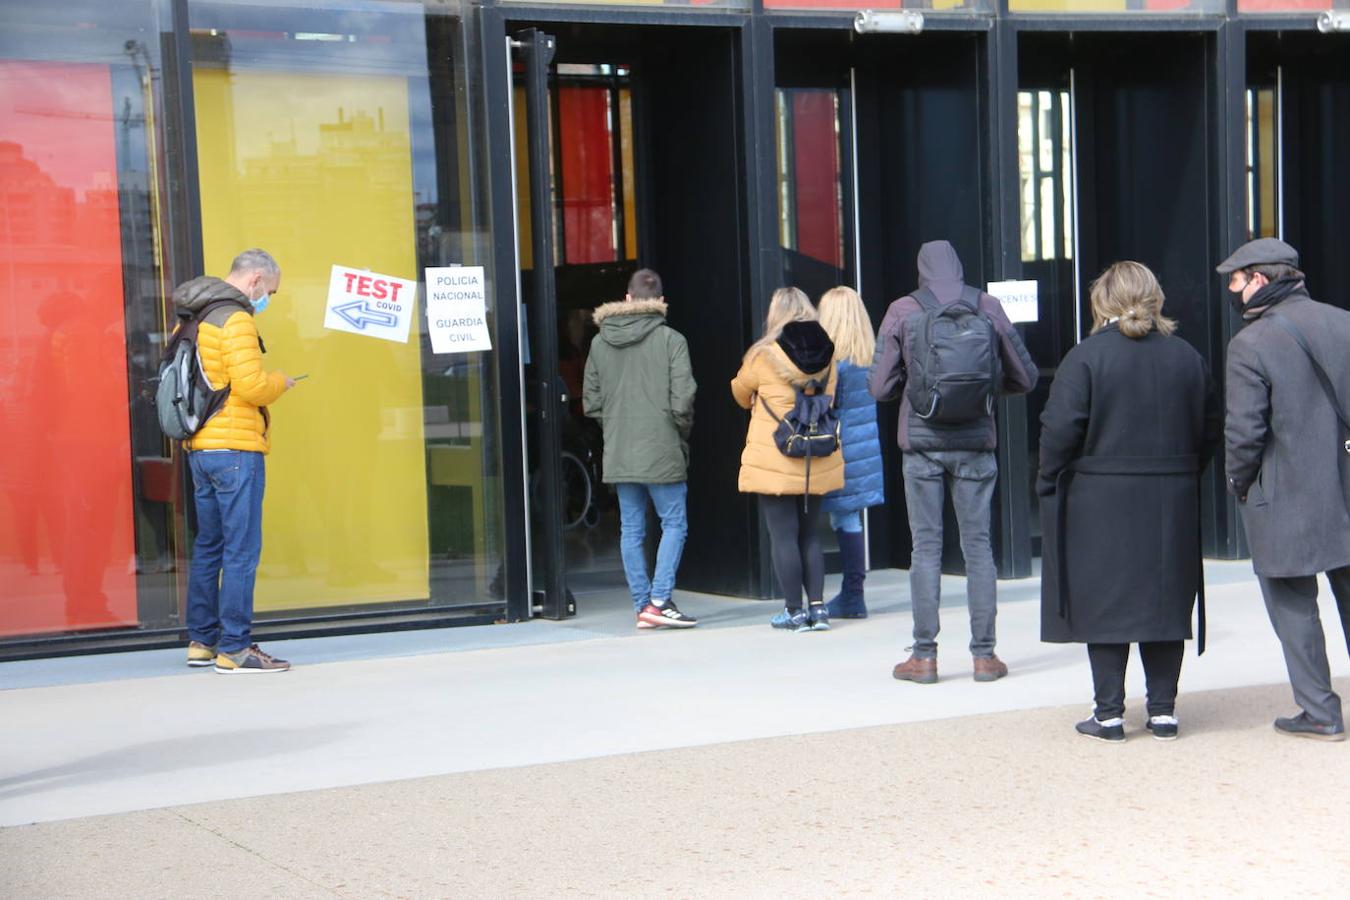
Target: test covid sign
{"type": "Point", "coordinates": [456, 309]}
{"type": "Point", "coordinates": [371, 305]}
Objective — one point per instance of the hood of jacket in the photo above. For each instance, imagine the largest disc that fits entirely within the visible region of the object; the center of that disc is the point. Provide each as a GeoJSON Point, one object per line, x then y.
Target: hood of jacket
{"type": "Point", "coordinates": [940, 270]}
{"type": "Point", "coordinates": [191, 297]}
{"type": "Point", "coordinates": [805, 352]}
{"type": "Point", "coordinates": [627, 322]}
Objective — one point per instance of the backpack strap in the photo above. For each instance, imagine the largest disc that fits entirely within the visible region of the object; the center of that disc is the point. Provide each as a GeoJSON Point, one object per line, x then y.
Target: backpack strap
{"type": "Point", "coordinates": [764, 403]}
{"type": "Point", "coordinates": [926, 299]}
{"type": "Point", "coordinates": [970, 296]}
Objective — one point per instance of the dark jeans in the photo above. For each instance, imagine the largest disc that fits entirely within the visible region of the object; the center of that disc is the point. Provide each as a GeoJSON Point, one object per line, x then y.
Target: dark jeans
{"type": "Point", "coordinates": [228, 490]}
{"type": "Point", "coordinates": [1162, 670]}
{"type": "Point", "coordinates": [970, 475]}
{"type": "Point", "coordinates": [1292, 606]}
{"type": "Point", "coordinates": [797, 558]}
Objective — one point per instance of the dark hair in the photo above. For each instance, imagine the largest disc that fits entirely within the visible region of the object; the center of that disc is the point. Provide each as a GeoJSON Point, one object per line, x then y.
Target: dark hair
{"type": "Point", "coordinates": [645, 285]}
{"type": "Point", "coordinates": [1274, 271]}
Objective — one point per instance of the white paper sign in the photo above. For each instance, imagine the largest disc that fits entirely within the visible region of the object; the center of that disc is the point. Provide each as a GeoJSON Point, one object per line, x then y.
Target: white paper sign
{"type": "Point", "coordinates": [369, 304]}
{"type": "Point", "coordinates": [456, 309]}
{"type": "Point", "coordinates": [1019, 299]}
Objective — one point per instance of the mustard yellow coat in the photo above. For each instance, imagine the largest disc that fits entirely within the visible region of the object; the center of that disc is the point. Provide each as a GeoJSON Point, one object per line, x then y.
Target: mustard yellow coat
{"type": "Point", "coordinates": [231, 353]}
{"type": "Point", "coordinates": [771, 377]}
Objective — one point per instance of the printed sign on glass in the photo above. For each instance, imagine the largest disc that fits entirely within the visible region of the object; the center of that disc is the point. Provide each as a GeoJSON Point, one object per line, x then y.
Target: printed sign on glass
{"type": "Point", "coordinates": [369, 304]}
{"type": "Point", "coordinates": [456, 309]}
{"type": "Point", "coordinates": [1019, 298]}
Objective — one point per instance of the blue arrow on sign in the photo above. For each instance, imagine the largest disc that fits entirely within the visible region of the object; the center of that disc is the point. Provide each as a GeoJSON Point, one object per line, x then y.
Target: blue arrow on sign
{"type": "Point", "coordinates": [361, 315]}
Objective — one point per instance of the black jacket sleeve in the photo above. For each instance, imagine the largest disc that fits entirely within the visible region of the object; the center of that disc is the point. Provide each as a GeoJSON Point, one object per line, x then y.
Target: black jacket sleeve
{"type": "Point", "coordinates": [1064, 421]}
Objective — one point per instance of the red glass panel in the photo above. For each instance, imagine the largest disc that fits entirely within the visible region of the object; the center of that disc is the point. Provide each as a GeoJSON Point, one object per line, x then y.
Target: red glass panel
{"type": "Point", "coordinates": [587, 175]}
{"type": "Point", "coordinates": [815, 151]}
{"type": "Point", "coordinates": [66, 539]}
{"type": "Point", "coordinates": [1260, 6]}
{"type": "Point", "coordinates": [835, 4]}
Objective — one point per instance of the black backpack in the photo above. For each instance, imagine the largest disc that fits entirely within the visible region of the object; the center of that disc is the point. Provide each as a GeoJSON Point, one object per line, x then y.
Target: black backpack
{"type": "Point", "coordinates": [184, 399]}
{"type": "Point", "coordinates": [955, 368]}
{"type": "Point", "coordinates": [810, 428]}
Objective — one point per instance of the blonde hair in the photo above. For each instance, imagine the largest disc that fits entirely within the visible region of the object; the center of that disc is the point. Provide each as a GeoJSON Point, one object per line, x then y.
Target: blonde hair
{"type": "Point", "coordinates": [1129, 292]}
{"type": "Point", "coordinates": [845, 320]}
{"type": "Point", "coordinates": [787, 305]}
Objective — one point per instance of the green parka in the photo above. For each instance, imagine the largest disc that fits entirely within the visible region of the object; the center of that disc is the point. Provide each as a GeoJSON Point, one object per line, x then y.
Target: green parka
{"type": "Point", "coordinates": [641, 388]}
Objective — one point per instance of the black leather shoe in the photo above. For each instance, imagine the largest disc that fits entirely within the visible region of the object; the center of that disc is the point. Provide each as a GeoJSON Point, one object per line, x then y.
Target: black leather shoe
{"type": "Point", "coordinates": [1303, 725]}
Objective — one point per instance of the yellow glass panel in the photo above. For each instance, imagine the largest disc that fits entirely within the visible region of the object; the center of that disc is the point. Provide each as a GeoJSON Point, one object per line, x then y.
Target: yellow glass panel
{"type": "Point", "coordinates": [1266, 176]}
{"type": "Point", "coordinates": [1067, 5]}
{"type": "Point", "coordinates": [317, 169]}
{"type": "Point", "coordinates": [524, 196]}
{"type": "Point", "coordinates": [629, 173]}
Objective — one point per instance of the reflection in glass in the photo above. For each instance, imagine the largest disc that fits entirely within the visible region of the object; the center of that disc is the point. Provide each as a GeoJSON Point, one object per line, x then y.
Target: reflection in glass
{"type": "Point", "coordinates": [381, 486]}
{"type": "Point", "coordinates": [86, 536]}
{"type": "Point", "coordinates": [1045, 169]}
{"type": "Point", "coordinates": [812, 189]}
{"type": "Point", "coordinates": [1263, 202]}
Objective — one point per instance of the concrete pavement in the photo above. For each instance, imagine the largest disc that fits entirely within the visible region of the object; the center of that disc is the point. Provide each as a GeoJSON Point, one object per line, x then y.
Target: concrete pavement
{"type": "Point", "coordinates": [767, 745]}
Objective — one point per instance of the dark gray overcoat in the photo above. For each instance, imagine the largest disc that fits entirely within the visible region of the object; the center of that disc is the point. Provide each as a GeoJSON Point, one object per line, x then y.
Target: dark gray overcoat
{"type": "Point", "coordinates": [1285, 448]}
{"type": "Point", "coordinates": [1127, 429]}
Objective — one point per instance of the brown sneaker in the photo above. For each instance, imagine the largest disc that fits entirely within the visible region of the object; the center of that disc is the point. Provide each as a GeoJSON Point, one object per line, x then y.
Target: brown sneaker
{"type": "Point", "coordinates": [919, 671]}
{"type": "Point", "coordinates": [989, 668]}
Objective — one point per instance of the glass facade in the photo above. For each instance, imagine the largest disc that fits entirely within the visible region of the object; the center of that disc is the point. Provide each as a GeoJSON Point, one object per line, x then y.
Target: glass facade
{"type": "Point", "coordinates": [335, 136]}
{"type": "Point", "coordinates": [1290, 6]}
{"type": "Point", "coordinates": [87, 494]}
{"type": "Point", "coordinates": [1117, 6]}
{"type": "Point", "coordinates": [148, 141]}
{"type": "Point", "coordinates": [926, 6]}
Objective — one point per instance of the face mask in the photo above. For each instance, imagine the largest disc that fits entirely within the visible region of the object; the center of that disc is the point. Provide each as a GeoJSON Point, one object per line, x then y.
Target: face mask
{"type": "Point", "coordinates": [261, 303]}
{"type": "Point", "coordinates": [1235, 301]}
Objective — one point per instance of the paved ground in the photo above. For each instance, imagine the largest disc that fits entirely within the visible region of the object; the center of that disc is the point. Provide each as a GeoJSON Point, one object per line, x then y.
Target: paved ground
{"type": "Point", "coordinates": [587, 759]}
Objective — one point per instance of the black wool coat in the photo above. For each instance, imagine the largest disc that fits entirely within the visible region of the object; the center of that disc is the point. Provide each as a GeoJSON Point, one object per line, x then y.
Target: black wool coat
{"type": "Point", "coordinates": [1129, 426]}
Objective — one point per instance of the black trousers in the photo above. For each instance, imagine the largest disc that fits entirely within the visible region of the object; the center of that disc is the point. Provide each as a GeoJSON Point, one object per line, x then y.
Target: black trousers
{"type": "Point", "coordinates": [1162, 671]}
{"type": "Point", "coordinates": [798, 560]}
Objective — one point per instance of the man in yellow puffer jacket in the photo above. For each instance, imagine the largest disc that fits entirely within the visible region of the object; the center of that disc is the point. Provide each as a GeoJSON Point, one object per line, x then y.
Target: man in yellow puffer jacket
{"type": "Point", "coordinates": [226, 459]}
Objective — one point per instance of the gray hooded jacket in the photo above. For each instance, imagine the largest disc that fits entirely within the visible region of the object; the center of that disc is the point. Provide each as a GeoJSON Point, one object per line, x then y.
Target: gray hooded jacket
{"type": "Point", "coordinates": [941, 272]}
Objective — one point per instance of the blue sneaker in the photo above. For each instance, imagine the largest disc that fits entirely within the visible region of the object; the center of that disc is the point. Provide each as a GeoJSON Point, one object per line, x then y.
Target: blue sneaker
{"type": "Point", "coordinates": [791, 619]}
{"type": "Point", "coordinates": [817, 618]}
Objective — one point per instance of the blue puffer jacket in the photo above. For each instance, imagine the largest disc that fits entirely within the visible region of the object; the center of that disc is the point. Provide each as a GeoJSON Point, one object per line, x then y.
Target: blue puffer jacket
{"type": "Point", "coordinates": [864, 482]}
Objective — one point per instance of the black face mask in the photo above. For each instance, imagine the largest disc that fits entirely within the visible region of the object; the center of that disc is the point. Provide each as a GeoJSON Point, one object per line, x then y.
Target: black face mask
{"type": "Point", "coordinates": [1235, 301]}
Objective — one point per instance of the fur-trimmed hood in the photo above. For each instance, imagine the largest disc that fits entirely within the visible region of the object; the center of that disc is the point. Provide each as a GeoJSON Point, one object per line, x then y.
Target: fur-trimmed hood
{"type": "Point", "coordinates": [627, 322]}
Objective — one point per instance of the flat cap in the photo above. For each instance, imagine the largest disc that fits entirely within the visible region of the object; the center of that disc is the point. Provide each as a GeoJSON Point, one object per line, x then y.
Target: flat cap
{"type": "Point", "coordinates": [1260, 252]}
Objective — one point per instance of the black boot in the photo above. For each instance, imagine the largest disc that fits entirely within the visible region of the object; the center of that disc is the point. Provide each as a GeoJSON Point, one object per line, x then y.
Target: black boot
{"type": "Point", "coordinates": [848, 603]}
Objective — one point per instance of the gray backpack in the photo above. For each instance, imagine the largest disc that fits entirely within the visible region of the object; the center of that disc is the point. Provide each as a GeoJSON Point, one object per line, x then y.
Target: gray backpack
{"type": "Point", "coordinates": [955, 368]}
{"type": "Point", "coordinates": [184, 399]}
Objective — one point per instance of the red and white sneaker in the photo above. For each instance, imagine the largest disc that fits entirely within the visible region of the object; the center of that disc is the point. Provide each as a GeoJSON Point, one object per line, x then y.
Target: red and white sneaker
{"type": "Point", "coordinates": [665, 615]}
{"type": "Point", "coordinates": [641, 623]}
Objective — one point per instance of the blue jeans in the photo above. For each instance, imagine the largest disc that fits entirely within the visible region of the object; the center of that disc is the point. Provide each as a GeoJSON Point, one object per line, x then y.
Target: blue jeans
{"type": "Point", "coordinates": [228, 490]}
{"type": "Point", "coordinates": [850, 520]}
{"type": "Point", "coordinates": [970, 475]}
{"type": "Point", "coordinates": [669, 502]}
